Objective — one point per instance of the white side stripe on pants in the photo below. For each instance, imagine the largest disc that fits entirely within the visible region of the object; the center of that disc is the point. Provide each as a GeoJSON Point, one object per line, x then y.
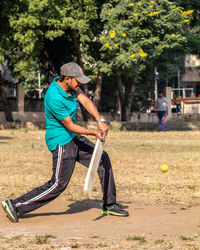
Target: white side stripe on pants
{"type": "Point", "coordinates": [52, 187]}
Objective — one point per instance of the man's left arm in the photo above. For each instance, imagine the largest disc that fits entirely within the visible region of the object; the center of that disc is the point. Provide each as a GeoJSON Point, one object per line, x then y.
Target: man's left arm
{"type": "Point", "coordinates": [90, 107]}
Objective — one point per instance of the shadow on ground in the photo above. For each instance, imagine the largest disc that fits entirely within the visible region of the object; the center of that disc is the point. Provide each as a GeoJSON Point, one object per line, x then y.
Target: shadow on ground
{"type": "Point", "coordinates": [76, 207]}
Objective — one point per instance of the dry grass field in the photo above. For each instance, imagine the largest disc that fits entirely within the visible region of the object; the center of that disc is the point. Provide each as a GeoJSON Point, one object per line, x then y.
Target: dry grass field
{"type": "Point", "coordinates": [25, 163]}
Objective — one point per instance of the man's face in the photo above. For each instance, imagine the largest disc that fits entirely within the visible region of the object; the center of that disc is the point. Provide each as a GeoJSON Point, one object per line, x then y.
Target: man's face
{"type": "Point", "coordinates": [73, 83]}
{"type": "Point", "coordinates": [160, 95]}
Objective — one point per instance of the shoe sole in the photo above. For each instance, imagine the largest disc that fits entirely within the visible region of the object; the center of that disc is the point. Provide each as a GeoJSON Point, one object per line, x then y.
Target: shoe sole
{"type": "Point", "coordinates": [8, 212]}
{"type": "Point", "coordinates": [114, 213]}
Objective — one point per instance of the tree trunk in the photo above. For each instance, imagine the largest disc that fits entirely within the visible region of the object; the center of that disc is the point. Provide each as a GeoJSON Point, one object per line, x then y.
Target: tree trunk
{"type": "Point", "coordinates": [6, 108]}
{"type": "Point", "coordinates": [97, 93]}
{"type": "Point", "coordinates": [126, 94]}
{"type": "Point", "coordinates": [80, 62]}
{"type": "Point", "coordinates": [129, 99]}
{"type": "Point", "coordinates": [118, 106]}
{"type": "Point", "coordinates": [122, 95]}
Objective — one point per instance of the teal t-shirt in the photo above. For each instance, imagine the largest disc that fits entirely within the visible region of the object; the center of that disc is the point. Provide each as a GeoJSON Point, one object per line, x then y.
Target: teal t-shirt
{"type": "Point", "coordinates": [58, 105]}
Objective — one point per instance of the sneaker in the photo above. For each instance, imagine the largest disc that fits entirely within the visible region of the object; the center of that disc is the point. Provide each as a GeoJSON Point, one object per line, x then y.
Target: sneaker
{"type": "Point", "coordinates": [114, 209]}
{"type": "Point", "coordinates": [10, 211]}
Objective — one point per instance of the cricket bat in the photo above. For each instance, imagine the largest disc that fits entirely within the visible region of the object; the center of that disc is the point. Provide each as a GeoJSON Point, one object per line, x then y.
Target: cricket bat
{"type": "Point", "coordinates": [94, 164]}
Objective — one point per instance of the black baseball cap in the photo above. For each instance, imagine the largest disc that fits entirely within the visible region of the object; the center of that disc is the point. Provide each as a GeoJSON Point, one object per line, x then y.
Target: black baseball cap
{"type": "Point", "coordinates": [72, 69]}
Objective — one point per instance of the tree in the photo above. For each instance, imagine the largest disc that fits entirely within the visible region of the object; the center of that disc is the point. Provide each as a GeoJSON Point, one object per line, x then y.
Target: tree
{"type": "Point", "coordinates": [40, 26]}
{"type": "Point", "coordinates": [193, 34]}
{"type": "Point", "coordinates": [6, 46]}
{"type": "Point", "coordinates": [137, 35]}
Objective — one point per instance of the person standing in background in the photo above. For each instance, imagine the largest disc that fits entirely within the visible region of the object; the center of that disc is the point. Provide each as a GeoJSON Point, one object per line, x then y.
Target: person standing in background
{"type": "Point", "coordinates": [161, 106]}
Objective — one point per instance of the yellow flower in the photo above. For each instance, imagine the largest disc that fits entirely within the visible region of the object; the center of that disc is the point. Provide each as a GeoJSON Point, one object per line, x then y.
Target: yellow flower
{"type": "Point", "coordinates": [131, 4]}
{"type": "Point", "coordinates": [139, 3]}
{"type": "Point", "coordinates": [109, 14]}
{"type": "Point", "coordinates": [132, 56]}
{"type": "Point", "coordinates": [173, 35]}
{"type": "Point", "coordinates": [178, 35]}
{"type": "Point", "coordinates": [112, 34]}
{"type": "Point", "coordinates": [142, 53]}
{"type": "Point", "coordinates": [152, 2]}
{"type": "Point", "coordinates": [186, 21]}
{"type": "Point", "coordinates": [173, 6]}
{"type": "Point", "coordinates": [190, 12]}
{"type": "Point", "coordinates": [187, 13]}
{"type": "Point", "coordinates": [153, 13]}
{"type": "Point", "coordinates": [146, 12]}
{"type": "Point", "coordinates": [124, 34]}
{"type": "Point", "coordinates": [101, 38]}
{"type": "Point", "coordinates": [108, 46]}
{"type": "Point", "coordinates": [151, 6]}
{"type": "Point", "coordinates": [135, 14]}
{"type": "Point", "coordinates": [116, 44]}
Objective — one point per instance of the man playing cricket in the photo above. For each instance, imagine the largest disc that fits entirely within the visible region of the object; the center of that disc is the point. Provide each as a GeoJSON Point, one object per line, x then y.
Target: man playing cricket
{"type": "Point", "coordinates": [66, 142]}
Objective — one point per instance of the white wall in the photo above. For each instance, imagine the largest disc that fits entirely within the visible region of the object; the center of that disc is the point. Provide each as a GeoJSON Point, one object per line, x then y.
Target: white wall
{"type": "Point", "coordinates": [193, 108]}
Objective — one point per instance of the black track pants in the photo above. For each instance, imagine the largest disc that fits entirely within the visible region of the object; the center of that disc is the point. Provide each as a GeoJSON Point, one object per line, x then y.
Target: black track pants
{"type": "Point", "coordinates": [64, 158]}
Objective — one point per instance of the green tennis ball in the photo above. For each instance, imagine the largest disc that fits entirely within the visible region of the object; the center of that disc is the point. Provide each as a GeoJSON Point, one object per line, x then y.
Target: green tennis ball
{"type": "Point", "coordinates": [164, 167]}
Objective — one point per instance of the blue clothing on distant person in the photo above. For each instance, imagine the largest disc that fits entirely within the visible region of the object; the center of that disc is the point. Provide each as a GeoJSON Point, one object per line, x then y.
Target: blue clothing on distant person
{"type": "Point", "coordinates": [161, 120]}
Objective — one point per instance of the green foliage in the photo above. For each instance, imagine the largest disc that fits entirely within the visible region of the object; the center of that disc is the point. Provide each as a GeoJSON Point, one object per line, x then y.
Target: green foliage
{"type": "Point", "coordinates": [130, 35]}
{"type": "Point", "coordinates": [140, 33]}
{"type": "Point", "coordinates": [193, 33]}
{"type": "Point", "coordinates": [33, 23]}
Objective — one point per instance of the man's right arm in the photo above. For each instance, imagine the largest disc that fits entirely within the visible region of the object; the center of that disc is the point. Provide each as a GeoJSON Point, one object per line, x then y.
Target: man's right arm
{"type": "Point", "coordinates": [61, 113]}
{"type": "Point", "coordinates": [74, 128]}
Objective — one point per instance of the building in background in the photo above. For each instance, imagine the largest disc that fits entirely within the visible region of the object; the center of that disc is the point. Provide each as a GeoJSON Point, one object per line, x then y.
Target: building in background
{"type": "Point", "coordinates": [190, 77]}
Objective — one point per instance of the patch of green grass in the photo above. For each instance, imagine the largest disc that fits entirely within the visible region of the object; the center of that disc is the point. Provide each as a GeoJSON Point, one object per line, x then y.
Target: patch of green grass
{"type": "Point", "coordinates": [102, 245]}
{"type": "Point", "coordinates": [191, 187]}
{"type": "Point", "coordinates": [183, 208]}
{"type": "Point", "coordinates": [43, 239]}
{"type": "Point", "coordinates": [14, 238]}
{"type": "Point", "coordinates": [75, 245]}
{"type": "Point", "coordinates": [191, 246]}
{"type": "Point", "coordinates": [71, 198]}
{"type": "Point", "coordinates": [88, 245]}
{"type": "Point", "coordinates": [138, 238]}
{"type": "Point", "coordinates": [159, 241]}
{"type": "Point", "coordinates": [182, 237]}
{"type": "Point", "coordinates": [17, 237]}
{"type": "Point", "coordinates": [124, 129]}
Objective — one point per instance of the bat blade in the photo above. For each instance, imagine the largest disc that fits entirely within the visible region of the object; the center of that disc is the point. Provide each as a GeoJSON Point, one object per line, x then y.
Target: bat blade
{"type": "Point", "coordinates": [94, 164]}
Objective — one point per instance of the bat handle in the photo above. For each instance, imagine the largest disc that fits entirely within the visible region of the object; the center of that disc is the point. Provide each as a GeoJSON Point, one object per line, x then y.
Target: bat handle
{"type": "Point", "coordinates": [101, 133]}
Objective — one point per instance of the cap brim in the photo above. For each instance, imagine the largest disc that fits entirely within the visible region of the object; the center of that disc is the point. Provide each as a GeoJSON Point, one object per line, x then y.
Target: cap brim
{"type": "Point", "coordinates": [83, 79]}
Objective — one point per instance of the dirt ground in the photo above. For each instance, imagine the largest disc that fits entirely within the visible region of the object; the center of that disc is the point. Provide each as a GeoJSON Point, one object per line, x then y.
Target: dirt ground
{"type": "Point", "coordinates": [164, 207]}
{"type": "Point", "coordinates": [80, 225]}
